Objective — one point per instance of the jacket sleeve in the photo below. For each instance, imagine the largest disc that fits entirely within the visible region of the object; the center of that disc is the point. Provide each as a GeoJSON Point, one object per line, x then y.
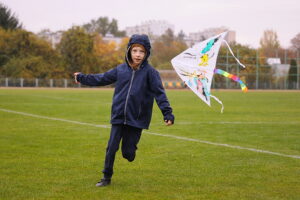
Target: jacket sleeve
{"type": "Point", "coordinates": [160, 96]}
{"type": "Point", "coordinates": [106, 78]}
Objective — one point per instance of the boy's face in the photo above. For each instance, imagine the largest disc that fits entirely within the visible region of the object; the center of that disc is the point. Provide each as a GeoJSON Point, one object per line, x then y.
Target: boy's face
{"type": "Point", "coordinates": [137, 54]}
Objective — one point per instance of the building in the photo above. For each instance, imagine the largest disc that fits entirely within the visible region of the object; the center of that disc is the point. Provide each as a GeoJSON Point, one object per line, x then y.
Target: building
{"type": "Point", "coordinates": [112, 38]}
{"type": "Point", "coordinates": [207, 33]}
{"type": "Point", "coordinates": [151, 28]}
{"type": "Point", "coordinates": [52, 37]}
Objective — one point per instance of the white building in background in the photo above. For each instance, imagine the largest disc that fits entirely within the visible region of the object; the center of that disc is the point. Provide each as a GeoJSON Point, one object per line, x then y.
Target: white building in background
{"type": "Point", "coordinates": [207, 33]}
{"type": "Point", "coordinates": [52, 37]}
{"type": "Point", "coordinates": [111, 38]}
{"type": "Point", "coordinates": [151, 28]}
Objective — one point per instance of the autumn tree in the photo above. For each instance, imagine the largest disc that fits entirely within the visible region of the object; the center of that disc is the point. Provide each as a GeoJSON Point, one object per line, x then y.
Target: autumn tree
{"type": "Point", "coordinates": [106, 55]}
{"type": "Point", "coordinates": [296, 42]}
{"type": "Point", "coordinates": [165, 48]}
{"type": "Point", "coordinates": [269, 43]}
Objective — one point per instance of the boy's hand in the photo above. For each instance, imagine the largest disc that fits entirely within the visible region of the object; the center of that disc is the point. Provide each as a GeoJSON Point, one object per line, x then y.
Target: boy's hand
{"type": "Point", "coordinates": [75, 76]}
{"type": "Point", "coordinates": [168, 122]}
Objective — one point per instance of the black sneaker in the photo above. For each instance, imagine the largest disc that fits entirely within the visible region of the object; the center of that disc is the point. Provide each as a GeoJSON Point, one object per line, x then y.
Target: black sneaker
{"type": "Point", "coordinates": [103, 182]}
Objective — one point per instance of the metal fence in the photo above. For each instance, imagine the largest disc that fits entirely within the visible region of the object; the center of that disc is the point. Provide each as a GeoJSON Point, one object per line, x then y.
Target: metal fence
{"type": "Point", "coordinates": [21, 82]}
{"type": "Point", "coordinates": [258, 75]}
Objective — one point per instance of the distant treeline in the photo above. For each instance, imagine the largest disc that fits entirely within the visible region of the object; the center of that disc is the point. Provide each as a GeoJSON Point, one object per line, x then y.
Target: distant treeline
{"type": "Point", "coordinates": [24, 54]}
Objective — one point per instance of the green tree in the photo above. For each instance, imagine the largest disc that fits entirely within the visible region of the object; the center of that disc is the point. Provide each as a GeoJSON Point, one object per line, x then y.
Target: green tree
{"type": "Point", "coordinates": [103, 26]}
{"type": "Point", "coordinates": [245, 54]}
{"type": "Point", "coordinates": [8, 20]}
{"type": "Point", "coordinates": [23, 54]}
{"type": "Point", "coordinates": [76, 48]}
{"type": "Point", "coordinates": [292, 75]}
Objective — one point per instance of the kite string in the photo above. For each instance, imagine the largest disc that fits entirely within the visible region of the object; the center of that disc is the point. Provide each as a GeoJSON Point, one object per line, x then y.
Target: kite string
{"type": "Point", "coordinates": [233, 54]}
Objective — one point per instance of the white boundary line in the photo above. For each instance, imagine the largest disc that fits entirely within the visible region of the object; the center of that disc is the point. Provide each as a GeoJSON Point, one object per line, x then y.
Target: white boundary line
{"type": "Point", "coordinates": [157, 134]}
{"type": "Point", "coordinates": [235, 122]}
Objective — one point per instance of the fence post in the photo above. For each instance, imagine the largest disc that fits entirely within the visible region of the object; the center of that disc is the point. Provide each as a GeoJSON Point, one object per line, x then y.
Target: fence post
{"type": "Point", "coordinates": [285, 83]}
{"type": "Point", "coordinates": [6, 82]}
{"type": "Point", "coordinates": [285, 56]}
{"type": "Point", "coordinates": [36, 82]}
{"type": "Point", "coordinates": [227, 81]}
{"type": "Point", "coordinates": [256, 83]}
{"type": "Point", "coordinates": [237, 64]}
{"type": "Point", "coordinates": [297, 62]}
{"type": "Point", "coordinates": [66, 83]}
{"type": "Point", "coordinates": [51, 82]}
{"type": "Point", "coordinates": [21, 82]}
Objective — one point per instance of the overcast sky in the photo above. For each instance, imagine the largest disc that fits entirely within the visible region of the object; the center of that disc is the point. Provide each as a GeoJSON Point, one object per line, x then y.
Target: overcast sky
{"type": "Point", "coordinates": [249, 18]}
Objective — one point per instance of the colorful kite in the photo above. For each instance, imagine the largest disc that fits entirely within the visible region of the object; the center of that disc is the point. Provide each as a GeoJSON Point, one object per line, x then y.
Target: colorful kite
{"type": "Point", "coordinates": [196, 67]}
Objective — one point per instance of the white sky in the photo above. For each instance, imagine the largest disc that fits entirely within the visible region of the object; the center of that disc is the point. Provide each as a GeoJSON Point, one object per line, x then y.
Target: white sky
{"type": "Point", "coordinates": [249, 18]}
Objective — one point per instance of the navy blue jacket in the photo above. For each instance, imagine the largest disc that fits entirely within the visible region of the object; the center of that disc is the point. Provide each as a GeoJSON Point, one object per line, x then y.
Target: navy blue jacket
{"type": "Point", "coordinates": [135, 90]}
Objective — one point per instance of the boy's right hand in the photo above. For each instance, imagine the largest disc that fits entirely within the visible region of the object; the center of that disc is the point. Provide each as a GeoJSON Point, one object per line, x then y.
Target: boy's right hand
{"type": "Point", "coordinates": [75, 76]}
{"type": "Point", "coordinates": [168, 122]}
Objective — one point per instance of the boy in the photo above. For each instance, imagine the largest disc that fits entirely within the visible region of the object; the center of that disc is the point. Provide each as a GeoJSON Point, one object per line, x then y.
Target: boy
{"type": "Point", "coordinates": [137, 84]}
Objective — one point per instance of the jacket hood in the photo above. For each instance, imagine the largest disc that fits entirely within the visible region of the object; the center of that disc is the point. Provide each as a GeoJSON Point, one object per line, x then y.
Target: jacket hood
{"type": "Point", "coordinates": [138, 39]}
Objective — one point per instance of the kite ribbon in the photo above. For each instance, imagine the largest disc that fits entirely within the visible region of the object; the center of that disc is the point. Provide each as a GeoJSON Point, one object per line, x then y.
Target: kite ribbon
{"type": "Point", "coordinates": [232, 77]}
{"type": "Point", "coordinates": [219, 101]}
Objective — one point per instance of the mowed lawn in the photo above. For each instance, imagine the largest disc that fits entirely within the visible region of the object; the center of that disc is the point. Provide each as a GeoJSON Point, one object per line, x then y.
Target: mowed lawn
{"type": "Point", "coordinates": [52, 148]}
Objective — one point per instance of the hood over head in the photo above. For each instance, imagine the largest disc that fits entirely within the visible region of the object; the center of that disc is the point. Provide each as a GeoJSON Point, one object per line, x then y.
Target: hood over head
{"type": "Point", "coordinates": [138, 39]}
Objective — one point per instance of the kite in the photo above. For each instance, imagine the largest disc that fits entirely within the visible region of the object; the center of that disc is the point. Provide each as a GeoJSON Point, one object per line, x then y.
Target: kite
{"type": "Point", "coordinates": [197, 65]}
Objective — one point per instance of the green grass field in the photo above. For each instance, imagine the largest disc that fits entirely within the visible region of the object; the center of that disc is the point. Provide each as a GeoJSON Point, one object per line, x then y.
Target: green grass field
{"type": "Point", "coordinates": [44, 156]}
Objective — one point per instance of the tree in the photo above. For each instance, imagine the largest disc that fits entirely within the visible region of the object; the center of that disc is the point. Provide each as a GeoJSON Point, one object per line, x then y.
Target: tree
{"type": "Point", "coordinates": [105, 54]}
{"type": "Point", "coordinates": [246, 55]}
{"type": "Point", "coordinates": [269, 43]}
{"type": "Point", "coordinates": [296, 42]}
{"type": "Point", "coordinates": [23, 54]}
{"type": "Point", "coordinates": [103, 26]}
{"type": "Point", "coordinates": [8, 20]}
{"type": "Point", "coordinates": [165, 48]}
{"type": "Point", "coordinates": [76, 49]}
{"type": "Point", "coordinates": [292, 75]}
{"type": "Point", "coordinates": [181, 35]}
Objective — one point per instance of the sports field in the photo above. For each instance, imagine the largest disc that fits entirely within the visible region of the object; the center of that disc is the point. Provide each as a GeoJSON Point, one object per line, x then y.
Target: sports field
{"type": "Point", "coordinates": [52, 144]}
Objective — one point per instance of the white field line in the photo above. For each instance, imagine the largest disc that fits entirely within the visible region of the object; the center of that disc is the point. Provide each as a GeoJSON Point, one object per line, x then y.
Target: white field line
{"type": "Point", "coordinates": [157, 134]}
{"type": "Point", "coordinates": [236, 122]}
{"type": "Point", "coordinates": [53, 118]}
{"type": "Point", "coordinates": [68, 99]}
{"type": "Point", "coordinates": [62, 98]}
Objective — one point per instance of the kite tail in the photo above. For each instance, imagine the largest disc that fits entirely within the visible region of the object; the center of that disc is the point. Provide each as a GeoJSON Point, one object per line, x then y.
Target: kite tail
{"type": "Point", "coordinates": [232, 77]}
{"type": "Point", "coordinates": [219, 101]}
{"type": "Point", "coordinates": [233, 54]}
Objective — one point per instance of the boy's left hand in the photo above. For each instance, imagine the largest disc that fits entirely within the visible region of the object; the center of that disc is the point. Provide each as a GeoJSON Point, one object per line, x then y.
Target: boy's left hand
{"type": "Point", "coordinates": [168, 122]}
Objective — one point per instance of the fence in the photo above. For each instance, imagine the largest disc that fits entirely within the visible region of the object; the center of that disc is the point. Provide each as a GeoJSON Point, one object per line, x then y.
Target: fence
{"type": "Point", "coordinates": [257, 75]}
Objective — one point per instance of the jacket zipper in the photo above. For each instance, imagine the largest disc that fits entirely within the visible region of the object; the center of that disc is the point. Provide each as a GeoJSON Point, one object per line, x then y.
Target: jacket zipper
{"type": "Point", "coordinates": [132, 76]}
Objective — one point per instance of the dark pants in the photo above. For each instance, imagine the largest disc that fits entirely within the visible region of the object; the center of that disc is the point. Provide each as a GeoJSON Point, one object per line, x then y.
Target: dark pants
{"type": "Point", "coordinates": [130, 137]}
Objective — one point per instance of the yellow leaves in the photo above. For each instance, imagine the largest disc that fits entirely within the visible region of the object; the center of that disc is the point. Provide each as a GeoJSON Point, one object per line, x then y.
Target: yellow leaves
{"type": "Point", "coordinates": [108, 54]}
{"type": "Point", "coordinates": [102, 47]}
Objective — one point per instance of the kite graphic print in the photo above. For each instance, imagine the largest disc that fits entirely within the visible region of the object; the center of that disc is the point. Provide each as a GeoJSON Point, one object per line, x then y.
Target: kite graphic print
{"type": "Point", "coordinates": [196, 67]}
